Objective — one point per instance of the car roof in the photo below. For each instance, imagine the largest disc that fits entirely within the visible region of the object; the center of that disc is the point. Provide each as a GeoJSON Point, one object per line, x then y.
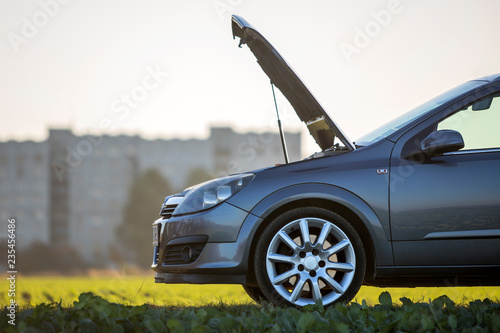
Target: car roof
{"type": "Point", "coordinates": [489, 78]}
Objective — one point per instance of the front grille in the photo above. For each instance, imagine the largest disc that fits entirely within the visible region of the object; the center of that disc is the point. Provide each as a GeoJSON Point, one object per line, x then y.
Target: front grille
{"type": "Point", "coordinates": [167, 210]}
{"type": "Point", "coordinates": [169, 205]}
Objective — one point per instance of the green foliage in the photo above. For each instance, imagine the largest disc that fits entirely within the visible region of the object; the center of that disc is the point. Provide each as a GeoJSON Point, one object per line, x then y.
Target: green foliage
{"type": "Point", "coordinates": [385, 299]}
{"type": "Point", "coordinates": [94, 314]}
{"type": "Point", "coordinates": [143, 205]}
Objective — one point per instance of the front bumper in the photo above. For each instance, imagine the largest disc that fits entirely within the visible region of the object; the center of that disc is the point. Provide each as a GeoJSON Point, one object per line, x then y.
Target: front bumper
{"type": "Point", "coordinates": [205, 248]}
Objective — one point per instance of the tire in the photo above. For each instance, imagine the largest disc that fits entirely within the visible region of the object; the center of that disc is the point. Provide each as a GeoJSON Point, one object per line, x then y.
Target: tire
{"type": "Point", "coordinates": [255, 293]}
{"type": "Point", "coordinates": [328, 267]}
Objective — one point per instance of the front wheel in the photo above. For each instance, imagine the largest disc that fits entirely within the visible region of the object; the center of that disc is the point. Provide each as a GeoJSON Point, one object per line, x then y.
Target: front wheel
{"type": "Point", "coordinates": [307, 255]}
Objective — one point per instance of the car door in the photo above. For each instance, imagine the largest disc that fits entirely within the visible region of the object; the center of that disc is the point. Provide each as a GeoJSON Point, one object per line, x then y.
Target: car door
{"type": "Point", "coordinates": [445, 209]}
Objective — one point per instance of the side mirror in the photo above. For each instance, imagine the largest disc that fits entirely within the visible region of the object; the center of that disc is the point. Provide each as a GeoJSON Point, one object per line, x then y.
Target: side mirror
{"type": "Point", "coordinates": [442, 141]}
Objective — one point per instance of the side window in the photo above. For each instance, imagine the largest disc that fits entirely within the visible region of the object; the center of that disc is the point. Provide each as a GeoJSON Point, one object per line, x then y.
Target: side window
{"type": "Point", "coordinates": [479, 123]}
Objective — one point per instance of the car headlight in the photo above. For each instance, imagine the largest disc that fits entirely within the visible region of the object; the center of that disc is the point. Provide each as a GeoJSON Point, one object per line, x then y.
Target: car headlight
{"type": "Point", "coordinates": [207, 195]}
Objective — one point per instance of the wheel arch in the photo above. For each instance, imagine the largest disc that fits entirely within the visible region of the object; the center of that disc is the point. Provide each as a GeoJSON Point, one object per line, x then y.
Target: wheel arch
{"type": "Point", "coordinates": [340, 201]}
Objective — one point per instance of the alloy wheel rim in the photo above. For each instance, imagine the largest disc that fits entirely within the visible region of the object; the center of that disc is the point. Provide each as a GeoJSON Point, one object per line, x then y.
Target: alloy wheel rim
{"type": "Point", "coordinates": [310, 259]}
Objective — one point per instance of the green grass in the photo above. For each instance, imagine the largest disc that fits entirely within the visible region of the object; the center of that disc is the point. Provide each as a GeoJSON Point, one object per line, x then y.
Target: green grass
{"type": "Point", "coordinates": [138, 290]}
{"type": "Point", "coordinates": [137, 304]}
{"type": "Point", "coordinates": [92, 313]}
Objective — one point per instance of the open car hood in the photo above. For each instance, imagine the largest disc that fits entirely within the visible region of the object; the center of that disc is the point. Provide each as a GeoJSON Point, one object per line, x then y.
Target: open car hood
{"type": "Point", "coordinates": [320, 125]}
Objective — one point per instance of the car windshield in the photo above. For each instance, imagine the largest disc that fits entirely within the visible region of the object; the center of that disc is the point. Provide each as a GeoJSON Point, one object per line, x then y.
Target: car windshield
{"type": "Point", "coordinates": [395, 124]}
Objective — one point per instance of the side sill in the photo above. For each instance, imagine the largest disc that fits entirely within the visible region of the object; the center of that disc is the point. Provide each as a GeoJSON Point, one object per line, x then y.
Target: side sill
{"type": "Point", "coordinates": [436, 276]}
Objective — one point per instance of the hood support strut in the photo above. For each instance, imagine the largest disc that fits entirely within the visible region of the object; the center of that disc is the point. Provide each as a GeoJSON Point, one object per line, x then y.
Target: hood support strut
{"type": "Point", "coordinates": [282, 135]}
{"type": "Point", "coordinates": [322, 128]}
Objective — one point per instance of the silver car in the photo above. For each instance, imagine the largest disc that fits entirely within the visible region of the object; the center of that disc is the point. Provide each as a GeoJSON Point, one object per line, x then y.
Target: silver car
{"type": "Point", "coordinates": [416, 202]}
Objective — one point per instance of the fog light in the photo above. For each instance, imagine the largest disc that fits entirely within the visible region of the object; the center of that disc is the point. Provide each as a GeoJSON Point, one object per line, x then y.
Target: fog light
{"type": "Point", "coordinates": [187, 253]}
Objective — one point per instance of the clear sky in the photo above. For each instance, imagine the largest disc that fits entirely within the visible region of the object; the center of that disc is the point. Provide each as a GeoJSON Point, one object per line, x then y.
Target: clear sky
{"type": "Point", "coordinates": [165, 69]}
